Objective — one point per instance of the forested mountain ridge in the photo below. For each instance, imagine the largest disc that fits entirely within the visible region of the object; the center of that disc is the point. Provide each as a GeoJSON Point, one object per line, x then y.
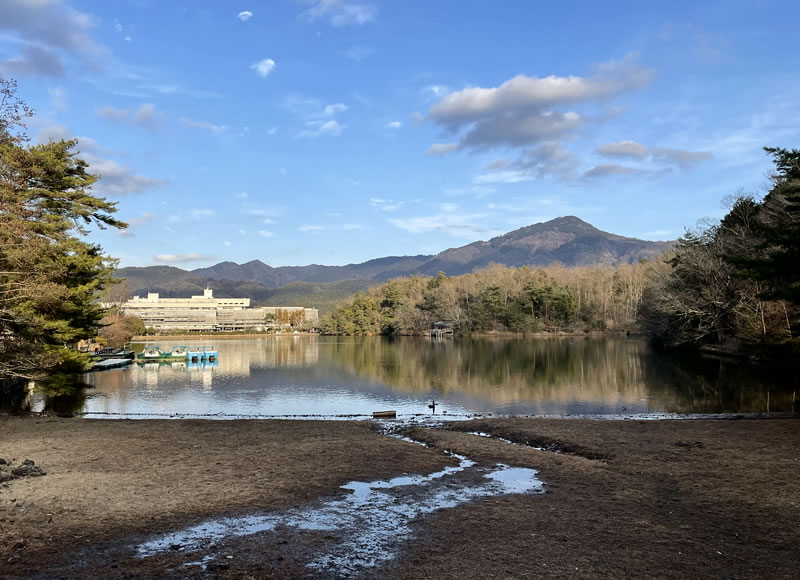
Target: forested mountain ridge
{"type": "Point", "coordinates": [568, 240]}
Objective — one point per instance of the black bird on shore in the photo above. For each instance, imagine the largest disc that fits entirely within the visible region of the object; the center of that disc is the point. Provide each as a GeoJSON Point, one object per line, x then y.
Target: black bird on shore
{"type": "Point", "coordinates": [432, 406]}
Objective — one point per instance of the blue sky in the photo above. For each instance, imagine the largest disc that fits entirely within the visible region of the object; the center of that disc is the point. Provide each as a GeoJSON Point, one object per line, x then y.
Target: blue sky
{"type": "Point", "coordinates": [335, 131]}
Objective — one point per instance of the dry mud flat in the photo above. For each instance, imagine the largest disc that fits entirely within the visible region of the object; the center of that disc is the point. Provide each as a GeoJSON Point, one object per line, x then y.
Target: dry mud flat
{"type": "Point", "coordinates": [239, 499]}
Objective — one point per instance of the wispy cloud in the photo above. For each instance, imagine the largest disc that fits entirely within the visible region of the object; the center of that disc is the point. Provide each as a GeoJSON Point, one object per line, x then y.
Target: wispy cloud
{"type": "Point", "coordinates": [145, 117]}
{"type": "Point", "coordinates": [313, 129]}
{"type": "Point", "coordinates": [58, 98]}
{"type": "Point", "coordinates": [608, 169]}
{"type": "Point", "coordinates": [244, 15]}
{"type": "Point", "coordinates": [456, 225]}
{"type": "Point", "coordinates": [311, 229]}
{"type": "Point", "coordinates": [443, 148]}
{"type": "Point", "coordinates": [133, 224]}
{"type": "Point", "coordinates": [359, 53]}
{"type": "Point", "coordinates": [204, 125]}
{"type": "Point", "coordinates": [266, 234]}
{"type": "Point", "coordinates": [341, 12]}
{"type": "Point", "coordinates": [385, 204]}
{"type": "Point", "coordinates": [637, 151]}
{"type": "Point", "coordinates": [181, 258]}
{"type": "Point", "coordinates": [393, 125]}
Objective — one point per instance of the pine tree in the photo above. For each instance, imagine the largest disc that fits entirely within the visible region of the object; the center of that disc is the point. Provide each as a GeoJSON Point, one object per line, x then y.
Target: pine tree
{"type": "Point", "coordinates": [777, 255]}
{"type": "Point", "coordinates": [50, 278]}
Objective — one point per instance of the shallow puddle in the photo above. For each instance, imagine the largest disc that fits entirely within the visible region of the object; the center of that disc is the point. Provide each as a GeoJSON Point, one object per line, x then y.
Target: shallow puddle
{"type": "Point", "coordinates": [367, 525]}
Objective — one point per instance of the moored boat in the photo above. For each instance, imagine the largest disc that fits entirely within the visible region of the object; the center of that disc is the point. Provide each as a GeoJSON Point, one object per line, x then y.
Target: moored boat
{"type": "Point", "coordinates": [210, 353]}
{"type": "Point", "coordinates": [154, 353]}
{"type": "Point", "coordinates": [112, 353]}
{"type": "Point", "coordinates": [111, 363]}
{"type": "Point", "coordinates": [194, 353]}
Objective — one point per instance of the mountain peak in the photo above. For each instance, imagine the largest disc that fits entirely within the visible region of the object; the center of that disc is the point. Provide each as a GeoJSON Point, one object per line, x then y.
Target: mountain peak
{"type": "Point", "coordinates": [568, 220]}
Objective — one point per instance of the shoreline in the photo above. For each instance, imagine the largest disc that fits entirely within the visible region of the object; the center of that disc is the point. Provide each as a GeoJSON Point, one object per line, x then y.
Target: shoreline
{"type": "Point", "coordinates": [592, 333]}
{"type": "Point", "coordinates": [632, 498]}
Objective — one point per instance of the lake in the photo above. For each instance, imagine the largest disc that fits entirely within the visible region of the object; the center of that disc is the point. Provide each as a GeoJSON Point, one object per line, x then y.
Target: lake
{"type": "Point", "coordinates": [310, 375]}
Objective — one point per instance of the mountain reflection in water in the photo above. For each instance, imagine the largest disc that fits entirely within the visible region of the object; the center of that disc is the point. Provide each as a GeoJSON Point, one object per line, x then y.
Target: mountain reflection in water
{"type": "Point", "coordinates": [317, 375]}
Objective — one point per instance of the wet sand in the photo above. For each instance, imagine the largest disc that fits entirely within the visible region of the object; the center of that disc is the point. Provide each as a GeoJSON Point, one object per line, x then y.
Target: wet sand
{"type": "Point", "coordinates": [635, 499]}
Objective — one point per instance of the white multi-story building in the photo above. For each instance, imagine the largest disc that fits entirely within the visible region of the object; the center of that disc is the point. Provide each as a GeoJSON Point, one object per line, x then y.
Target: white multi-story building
{"type": "Point", "coordinates": [206, 313]}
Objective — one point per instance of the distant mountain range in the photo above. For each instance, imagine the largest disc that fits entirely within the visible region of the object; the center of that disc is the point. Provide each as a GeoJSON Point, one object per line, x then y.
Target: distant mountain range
{"type": "Point", "coordinates": [568, 240]}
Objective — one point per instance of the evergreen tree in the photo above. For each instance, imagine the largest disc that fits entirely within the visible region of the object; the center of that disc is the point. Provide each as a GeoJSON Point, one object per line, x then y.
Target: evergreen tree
{"type": "Point", "coordinates": [779, 227]}
{"type": "Point", "coordinates": [50, 278]}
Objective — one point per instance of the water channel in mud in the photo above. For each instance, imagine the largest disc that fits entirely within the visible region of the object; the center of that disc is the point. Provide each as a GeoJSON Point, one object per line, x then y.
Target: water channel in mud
{"type": "Point", "coordinates": [366, 526]}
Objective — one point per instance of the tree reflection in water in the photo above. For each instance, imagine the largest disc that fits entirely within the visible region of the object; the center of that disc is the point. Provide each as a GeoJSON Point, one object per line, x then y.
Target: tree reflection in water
{"type": "Point", "coordinates": [582, 374]}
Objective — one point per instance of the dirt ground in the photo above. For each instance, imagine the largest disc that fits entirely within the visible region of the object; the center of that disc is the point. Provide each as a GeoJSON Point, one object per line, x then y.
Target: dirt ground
{"type": "Point", "coordinates": [623, 499]}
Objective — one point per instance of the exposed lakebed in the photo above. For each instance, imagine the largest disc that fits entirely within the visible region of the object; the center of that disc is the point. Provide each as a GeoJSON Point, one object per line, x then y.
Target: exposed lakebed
{"type": "Point", "coordinates": [366, 527]}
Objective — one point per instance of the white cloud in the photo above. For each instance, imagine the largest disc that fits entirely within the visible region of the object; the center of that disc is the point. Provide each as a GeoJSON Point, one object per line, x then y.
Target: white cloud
{"type": "Point", "coordinates": [313, 129]}
{"type": "Point", "coordinates": [204, 125]}
{"type": "Point", "coordinates": [341, 12]}
{"type": "Point", "coordinates": [318, 121]}
{"type": "Point", "coordinates": [179, 258]}
{"type": "Point", "coordinates": [524, 111]}
{"type": "Point", "coordinates": [116, 179]}
{"type": "Point", "coordinates": [385, 204]}
{"type": "Point", "coordinates": [310, 229]}
{"type": "Point", "coordinates": [272, 130]}
{"type": "Point", "coordinates": [226, 243]}
{"type": "Point", "coordinates": [242, 195]}
{"type": "Point", "coordinates": [434, 92]}
{"type": "Point", "coordinates": [333, 110]}
{"type": "Point", "coordinates": [448, 207]}
{"type": "Point", "coordinates": [350, 227]}
{"type": "Point", "coordinates": [263, 67]}
{"type": "Point", "coordinates": [265, 234]}
{"type": "Point", "coordinates": [244, 15]}
{"type": "Point", "coordinates": [393, 125]}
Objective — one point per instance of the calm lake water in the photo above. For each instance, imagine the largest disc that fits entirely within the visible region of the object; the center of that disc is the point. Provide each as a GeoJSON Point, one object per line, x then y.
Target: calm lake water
{"type": "Point", "coordinates": [319, 375]}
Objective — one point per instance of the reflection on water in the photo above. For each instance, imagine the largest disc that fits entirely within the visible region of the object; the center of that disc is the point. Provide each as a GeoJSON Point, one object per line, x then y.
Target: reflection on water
{"type": "Point", "coordinates": [311, 375]}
